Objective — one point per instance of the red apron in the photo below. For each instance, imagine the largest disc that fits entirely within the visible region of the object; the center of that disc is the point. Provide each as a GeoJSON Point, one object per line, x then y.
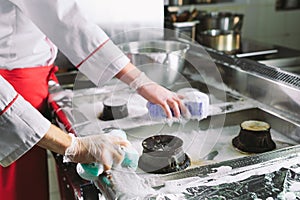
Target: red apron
{"type": "Point", "coordinates": [27, 178]}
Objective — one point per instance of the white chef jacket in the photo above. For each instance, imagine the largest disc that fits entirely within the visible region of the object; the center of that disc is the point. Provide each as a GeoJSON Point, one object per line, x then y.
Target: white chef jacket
{"type": "Point", "coordinates": [23, 26]}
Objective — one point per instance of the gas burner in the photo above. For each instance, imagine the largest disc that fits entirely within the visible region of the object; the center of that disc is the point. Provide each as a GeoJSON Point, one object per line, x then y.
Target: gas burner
{"type": "Point", "coordinates": [254, 137]}
{"type": "Point", "coordinates": [163, 154]}
{"type": "Point", "coordinates": [114, 108]}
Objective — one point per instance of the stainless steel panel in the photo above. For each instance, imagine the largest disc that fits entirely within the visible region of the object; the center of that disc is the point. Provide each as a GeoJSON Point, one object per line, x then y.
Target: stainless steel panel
{"type": "Point", "coordinates": [269, 85]}
{"type": "Point", "coordinates": [256, 92]}
{"type": "Point", "coordinates": [285, 133]}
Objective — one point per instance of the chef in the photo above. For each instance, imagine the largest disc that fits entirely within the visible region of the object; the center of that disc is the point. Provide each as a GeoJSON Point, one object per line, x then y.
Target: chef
{"type": "Point", "coordinates": [30, 33]}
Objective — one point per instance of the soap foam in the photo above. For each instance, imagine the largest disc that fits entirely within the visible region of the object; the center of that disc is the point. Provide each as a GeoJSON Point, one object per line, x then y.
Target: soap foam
{"type": "Point", "coordinates": [129, 185]}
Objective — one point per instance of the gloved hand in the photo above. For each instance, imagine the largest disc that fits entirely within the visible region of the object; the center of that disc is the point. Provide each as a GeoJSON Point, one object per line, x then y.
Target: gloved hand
{"type": "Point", "coordinates": [152, 91]}
{"type": "Point", "coordinates": [157, 94]}
{"type": "Point", "coordinates": [102, 148]}
{"type": "Point", "coordinates": [93, 170]}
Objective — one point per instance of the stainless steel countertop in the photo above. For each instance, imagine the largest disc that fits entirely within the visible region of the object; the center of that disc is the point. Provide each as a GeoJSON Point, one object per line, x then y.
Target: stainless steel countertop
{"type": "Point", "coordinates": [249, 93]}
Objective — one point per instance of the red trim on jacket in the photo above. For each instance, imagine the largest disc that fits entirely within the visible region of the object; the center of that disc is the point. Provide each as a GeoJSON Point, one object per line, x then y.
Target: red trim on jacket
{"type": "Point", "coordinates": [9, 105]}
{"type": "Point", "coordinates": [101, 45]}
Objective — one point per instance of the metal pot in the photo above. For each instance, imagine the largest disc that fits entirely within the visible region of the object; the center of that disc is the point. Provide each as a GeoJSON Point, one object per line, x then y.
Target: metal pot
{"type": "Point", "coordinates": [176, 2]}
{"type": "Point", "coordinates": [204, 1]}
{"type": "Point", "coordinates": [224, 21]}
{"type": "Point", "coordinates": [221, 40]}
{"type": "Point", "coordinates": [163, 61]}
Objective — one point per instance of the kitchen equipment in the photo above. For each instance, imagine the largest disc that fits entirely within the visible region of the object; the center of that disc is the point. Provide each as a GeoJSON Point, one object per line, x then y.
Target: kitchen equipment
{"type": "Point", "coordinates": [222, 40]}
{"type": "Point", "coordinates": [176, 2]}
{"type": "Point", "coordinates": [211, 155]}
{"type": "Point", "coordinates": [114, 108]}
{"type": "Point", "coordinates": [287, 4]}
{"type": "Point", "coordinates": [163, 154]}
{"type": "Point", "coordinates": [220, 30]}
{"type": "Point", "coordinates": [183, 23]}
{"type": "Point", "coordinates": [185, 30]}
{"type": "Point", "coordinates": [161, 60]}
{"type": "Point", "coordinates": [204, 1]}
{"type": "Point", "coordinates": [253, 49]}
{"type": "Point", "coordinates": [224, 21]}
{"type": "Point", "coordinates": [285, 126]}
{"type": "Point", "coordinates": [254, 137]}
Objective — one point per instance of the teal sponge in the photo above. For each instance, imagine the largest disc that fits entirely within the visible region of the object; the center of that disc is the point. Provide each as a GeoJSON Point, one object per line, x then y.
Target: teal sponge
{"type": "Point", "coordinates": [93, 170]}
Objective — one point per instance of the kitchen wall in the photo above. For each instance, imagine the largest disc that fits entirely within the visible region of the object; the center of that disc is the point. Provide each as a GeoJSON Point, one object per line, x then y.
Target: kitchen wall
{"type": "Point", "coordinates": [126, 20]}
{"type": "Point", "coordinates": [262, 21]}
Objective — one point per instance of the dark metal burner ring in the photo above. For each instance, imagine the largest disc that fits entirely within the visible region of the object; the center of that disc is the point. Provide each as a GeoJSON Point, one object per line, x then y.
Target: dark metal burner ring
{"type": "Point", "coordinates": [163, 154]}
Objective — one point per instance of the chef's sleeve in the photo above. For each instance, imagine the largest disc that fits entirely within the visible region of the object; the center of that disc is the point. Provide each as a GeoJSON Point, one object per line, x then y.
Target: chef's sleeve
{"type": "Point", "coordinates": [85, 44]}
{"type": "Point", "coordinates": [21, 125]}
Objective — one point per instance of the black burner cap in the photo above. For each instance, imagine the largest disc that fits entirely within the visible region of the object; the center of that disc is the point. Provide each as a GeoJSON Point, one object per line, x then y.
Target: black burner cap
{"type": "Point", "coordinates": [114, 108]}
{"type": "Point", "coordinates": [163, 154]}
{"type": "Point", "coordinates": [254, 137]}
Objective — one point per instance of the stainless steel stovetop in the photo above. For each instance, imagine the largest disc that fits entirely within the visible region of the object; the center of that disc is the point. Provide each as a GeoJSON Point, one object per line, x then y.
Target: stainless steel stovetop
{"type": "Point", "coordinates": [213, 134]}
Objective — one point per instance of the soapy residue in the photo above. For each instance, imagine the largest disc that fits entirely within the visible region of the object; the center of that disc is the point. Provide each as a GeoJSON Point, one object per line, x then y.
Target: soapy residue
{"type": "Point", "coordinates": [275, 181]}
{"type": "Point", "coordinates": [129, 185]}
{"type": "Point", "coordinates": [271, 180]}
{"type": "Point", "coordinates": [231, 182]}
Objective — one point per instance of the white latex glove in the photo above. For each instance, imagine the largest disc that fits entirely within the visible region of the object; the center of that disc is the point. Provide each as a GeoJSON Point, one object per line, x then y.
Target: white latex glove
{"type": "Point", "coordinates": [102, 148]}
{"type": "Point", "coordinates": [152, 91]}
{"type": "Point", "coordinates": [157, 94]}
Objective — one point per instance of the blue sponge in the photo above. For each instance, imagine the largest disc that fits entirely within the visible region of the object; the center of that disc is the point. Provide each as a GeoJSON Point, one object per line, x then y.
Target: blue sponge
{"type": "Point", "coordinates": [196, 102]}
